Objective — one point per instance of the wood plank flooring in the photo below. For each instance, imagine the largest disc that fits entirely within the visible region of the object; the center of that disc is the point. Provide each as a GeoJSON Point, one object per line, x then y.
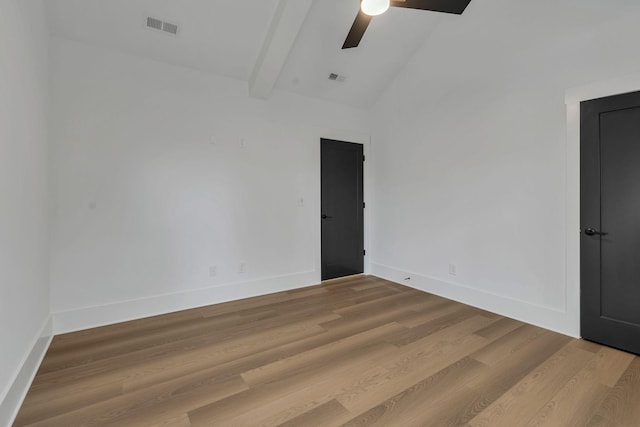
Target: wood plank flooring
{"type": "Point", "coordinates": [359, 351]}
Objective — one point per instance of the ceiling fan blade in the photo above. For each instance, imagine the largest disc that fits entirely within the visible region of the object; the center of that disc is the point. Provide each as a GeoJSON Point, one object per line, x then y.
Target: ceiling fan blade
{"type": "Point", "coordinates": [446, 6]}
{"type": "Point", "coordinates": [357, 30]}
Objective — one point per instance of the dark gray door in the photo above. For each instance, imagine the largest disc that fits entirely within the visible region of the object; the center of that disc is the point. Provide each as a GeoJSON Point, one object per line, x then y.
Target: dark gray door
{"type": "Point", "coordinates": [610, 218]}
{"type": "Point", "coordinates": [342, 209]}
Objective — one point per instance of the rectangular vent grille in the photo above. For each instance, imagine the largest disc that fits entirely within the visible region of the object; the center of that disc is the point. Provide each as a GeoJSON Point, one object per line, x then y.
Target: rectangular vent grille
{"type": "Point", "coordinates": [337, 77]}
{"type": "Point", "coordinates": [158, 24]}
{"type": "Point", "coordinates": [154, 23]}
{"type": "Point", "coordinates": [170, 28]}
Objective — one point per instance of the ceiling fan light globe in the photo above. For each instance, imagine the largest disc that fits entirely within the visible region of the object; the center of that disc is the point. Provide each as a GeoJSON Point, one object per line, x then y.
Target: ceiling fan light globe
{"type": "Point", "coordinates": [375, 7]}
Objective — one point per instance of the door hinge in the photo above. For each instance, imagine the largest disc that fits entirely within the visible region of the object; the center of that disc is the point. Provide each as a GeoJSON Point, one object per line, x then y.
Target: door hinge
{"type": "Point", "coordinates": [363, 158]}
{"type": "Point", "coordinates": [364, 205]}
{"type": "Point", "coordinates": [364, 252]}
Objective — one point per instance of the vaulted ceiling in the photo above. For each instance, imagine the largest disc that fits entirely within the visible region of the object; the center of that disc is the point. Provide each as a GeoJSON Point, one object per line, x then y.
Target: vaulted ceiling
{"type": "Point", "coordinates": [227, 38]}
{"type": "Point", "coordinates": [221, 37]}
{"type": "Point", "coordinates": [294, 45]}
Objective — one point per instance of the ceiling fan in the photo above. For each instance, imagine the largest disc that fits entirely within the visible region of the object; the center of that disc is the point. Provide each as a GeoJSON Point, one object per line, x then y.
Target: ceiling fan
{"type": "Point", "coordinates": [371, 8]}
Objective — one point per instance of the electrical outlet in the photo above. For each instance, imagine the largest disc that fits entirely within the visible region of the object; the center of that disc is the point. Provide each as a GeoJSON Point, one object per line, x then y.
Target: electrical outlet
{"type": "Point", "coordinates": [453, 270]}
{"type": "Point", "coordinates": [213, 271]}
{"type": "Point", "coordinates": [242, 268]}
{"type": "Point", "coordinates": [300, 202]}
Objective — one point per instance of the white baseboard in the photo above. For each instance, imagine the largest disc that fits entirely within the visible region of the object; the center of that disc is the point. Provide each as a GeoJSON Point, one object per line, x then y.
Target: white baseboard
{"type": "Point", "coordinates": [91, 317]}
{"type": "Point", "coordinates": [544, 317]}
{"type": "Point", "coordinates": [16, 393]}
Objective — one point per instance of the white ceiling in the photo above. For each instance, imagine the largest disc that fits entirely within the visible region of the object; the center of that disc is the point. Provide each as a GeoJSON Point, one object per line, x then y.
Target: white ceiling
{"type": "Point", "coordinates": [226, 37]}
{"type": "Point", "coordinates": [229, 38]}
{"type": "Point", "coordinates": [390, 41]}
{"type": "Point", "coordinates": [221, 37]}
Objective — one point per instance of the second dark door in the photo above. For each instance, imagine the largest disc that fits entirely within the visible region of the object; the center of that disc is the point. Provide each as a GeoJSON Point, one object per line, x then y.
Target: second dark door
{"type": "Point", "coordinates": [342, 209]}
{"type": "Point", "coordinates": [610, 217]}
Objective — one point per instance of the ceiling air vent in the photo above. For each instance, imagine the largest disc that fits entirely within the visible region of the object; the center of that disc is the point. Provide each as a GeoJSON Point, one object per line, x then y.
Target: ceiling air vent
{"type": "Point", "coordinates": [154, 23]}
{"type": "Point", "coordinates": [170, 28]}
{"type": "Point", "coordinates": [160, 25]}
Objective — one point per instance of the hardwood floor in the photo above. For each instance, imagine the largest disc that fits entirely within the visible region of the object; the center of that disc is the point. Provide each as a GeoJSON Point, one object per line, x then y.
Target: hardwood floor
{"type": "Point", "coordinates": [356, 351]}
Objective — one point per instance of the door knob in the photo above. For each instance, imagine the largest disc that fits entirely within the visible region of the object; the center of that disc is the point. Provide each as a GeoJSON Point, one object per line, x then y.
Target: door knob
{"type": "Point", "coordinates": [326, 216]}
{"type": "Point", "coordinates": [591, 232]}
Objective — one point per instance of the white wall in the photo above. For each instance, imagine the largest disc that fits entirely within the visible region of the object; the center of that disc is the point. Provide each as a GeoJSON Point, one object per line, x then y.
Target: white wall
{"type": "Point", "coordinates": [24, 293]}
{"type": "Point", "coordinates": [162, 172]}
{"type": "Point", "coordinates": [471, 153]}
